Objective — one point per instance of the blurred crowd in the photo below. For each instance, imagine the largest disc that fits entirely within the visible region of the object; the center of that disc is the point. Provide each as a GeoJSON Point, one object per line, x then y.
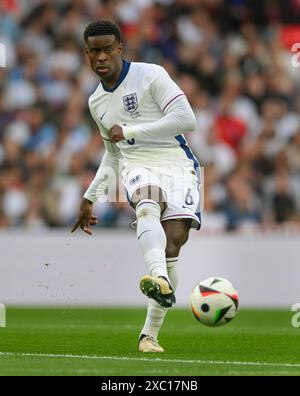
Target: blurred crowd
{"type": "Point", "coordinates": [232, 58]}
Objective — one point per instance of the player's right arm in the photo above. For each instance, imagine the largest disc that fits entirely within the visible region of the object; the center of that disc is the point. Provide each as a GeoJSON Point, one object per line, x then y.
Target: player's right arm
{"type": "Point", "coordinates": [107, 171]}
{"type": "Point", "coordinates": [107, 174]}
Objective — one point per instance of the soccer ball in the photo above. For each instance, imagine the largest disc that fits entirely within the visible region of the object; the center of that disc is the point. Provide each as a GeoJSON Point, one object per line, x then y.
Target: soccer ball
{"type": "Point", "coordinates": [214, 301]}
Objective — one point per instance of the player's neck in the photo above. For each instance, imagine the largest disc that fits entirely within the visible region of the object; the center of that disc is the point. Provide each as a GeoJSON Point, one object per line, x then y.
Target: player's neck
{"type": "Point", "coordinates": [112, 80]}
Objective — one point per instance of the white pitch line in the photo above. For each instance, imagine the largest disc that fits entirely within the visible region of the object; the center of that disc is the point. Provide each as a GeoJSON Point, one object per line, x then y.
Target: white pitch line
{"type": "Point", "coordinates": [155, 360]}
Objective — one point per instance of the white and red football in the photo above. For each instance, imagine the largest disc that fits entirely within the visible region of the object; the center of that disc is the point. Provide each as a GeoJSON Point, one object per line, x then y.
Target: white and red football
{"type": "Point", "coordinates": [214, 301]}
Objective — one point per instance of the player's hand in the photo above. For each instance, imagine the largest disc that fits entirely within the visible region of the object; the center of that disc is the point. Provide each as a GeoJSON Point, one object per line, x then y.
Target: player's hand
{"type": "Point", "coordinates": [85, 217]}
{"type": "Point", "coordinates": [115, 134]}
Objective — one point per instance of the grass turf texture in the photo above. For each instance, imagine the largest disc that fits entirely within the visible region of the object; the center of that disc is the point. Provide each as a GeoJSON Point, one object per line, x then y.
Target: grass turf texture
{"type": "Point", "coordinates": [104, 342]}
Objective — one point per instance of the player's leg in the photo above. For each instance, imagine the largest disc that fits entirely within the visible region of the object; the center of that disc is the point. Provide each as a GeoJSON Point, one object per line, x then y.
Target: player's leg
{"type": "Point", "coordinates": [177, 232]}
{"type": "Point", "coordinates": [148, 203]}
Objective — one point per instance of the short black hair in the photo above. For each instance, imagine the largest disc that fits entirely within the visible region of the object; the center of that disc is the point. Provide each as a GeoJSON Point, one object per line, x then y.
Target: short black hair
{"type": "Point", "coordinates": [100, 28]}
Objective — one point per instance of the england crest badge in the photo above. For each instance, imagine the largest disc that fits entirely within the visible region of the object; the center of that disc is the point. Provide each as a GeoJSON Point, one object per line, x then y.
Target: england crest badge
{"type": "Point", "coordinates": [130, 102]}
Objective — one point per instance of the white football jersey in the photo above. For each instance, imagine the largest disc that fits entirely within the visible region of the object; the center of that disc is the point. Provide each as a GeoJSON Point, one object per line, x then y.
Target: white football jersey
{"type": "Point", "coordinates": [141, 95]}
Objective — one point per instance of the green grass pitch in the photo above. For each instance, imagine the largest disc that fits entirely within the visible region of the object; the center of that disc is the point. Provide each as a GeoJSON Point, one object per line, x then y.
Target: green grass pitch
{"type": "Point", "coordinates": [103, 342]}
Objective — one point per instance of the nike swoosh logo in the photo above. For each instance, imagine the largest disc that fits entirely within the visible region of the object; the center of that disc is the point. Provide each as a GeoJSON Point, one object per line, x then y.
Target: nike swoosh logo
{"type": "Point", "coordinates": [143, 233]}
{"type": "Point", "coordinates": [102, 116]}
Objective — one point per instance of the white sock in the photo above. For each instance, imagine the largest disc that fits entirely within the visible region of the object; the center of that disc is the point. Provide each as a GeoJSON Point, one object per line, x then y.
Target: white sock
{"type": "Point", "coordinates": [151, 237]}
{"type": "Point", "coordinates": [156, 313]}
{"type": "Point", "coordinates": [172, 271]}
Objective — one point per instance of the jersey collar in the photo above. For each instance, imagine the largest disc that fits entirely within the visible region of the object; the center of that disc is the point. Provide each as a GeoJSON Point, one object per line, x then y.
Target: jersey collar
{"type": "Point", "coordinates": [123, 74]}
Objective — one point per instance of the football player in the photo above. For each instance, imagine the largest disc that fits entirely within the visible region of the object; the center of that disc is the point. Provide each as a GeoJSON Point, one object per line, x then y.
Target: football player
{"type": "Point", "coordinates": [141, 114]}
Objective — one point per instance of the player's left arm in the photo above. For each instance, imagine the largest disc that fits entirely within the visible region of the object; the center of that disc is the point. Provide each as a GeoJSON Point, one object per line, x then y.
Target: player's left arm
{"type": "Point", "coordinates": [178, 116]}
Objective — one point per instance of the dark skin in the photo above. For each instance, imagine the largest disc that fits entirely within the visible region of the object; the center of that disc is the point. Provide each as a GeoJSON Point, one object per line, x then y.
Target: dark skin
{"type": "Point", "coordinates": [105, 58]}
{"type": "Point", "coordinates": [104, 54]}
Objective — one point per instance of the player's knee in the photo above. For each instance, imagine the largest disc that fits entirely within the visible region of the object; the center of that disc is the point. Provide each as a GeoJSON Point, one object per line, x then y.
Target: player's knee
{"type": "Point", "coordinates": [184, 239]}
{"type": "Point", "coordinates": [175, 242]}
{"type": "Point", "coordinates": [180, 238]}
{"type": "Point", "coordinates": [172, 250]}
{"type": "Point", "coordinates": [150, 193]}
{"type": "Point", "coordinates": [147, 207]}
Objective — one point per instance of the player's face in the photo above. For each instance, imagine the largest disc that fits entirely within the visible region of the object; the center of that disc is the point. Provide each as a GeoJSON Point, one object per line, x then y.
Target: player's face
{"type": "Point", "coordinates": [104, 54]}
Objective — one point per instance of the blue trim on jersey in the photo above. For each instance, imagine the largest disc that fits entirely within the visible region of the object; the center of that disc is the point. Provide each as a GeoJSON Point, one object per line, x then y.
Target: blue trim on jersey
{"type": "Point", "coordinates": [190, 155]}
{"type": "Point", "coordinates": [187, 151]}
{"type": "Point", "coordinates": [123, 74]}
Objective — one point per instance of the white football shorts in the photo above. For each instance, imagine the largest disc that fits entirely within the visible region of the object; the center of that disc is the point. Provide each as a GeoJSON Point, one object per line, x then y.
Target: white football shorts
{"type": "Point", "coordinates": [180, 187]}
